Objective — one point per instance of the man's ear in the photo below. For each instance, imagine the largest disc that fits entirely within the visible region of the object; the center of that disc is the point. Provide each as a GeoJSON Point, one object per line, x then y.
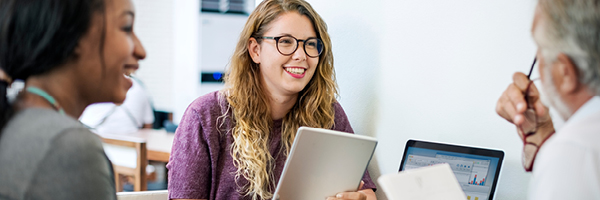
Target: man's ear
{"type": "Point", "coordinates": [254, 50]}
{"type": "Point", "coordinates": [569, 73]}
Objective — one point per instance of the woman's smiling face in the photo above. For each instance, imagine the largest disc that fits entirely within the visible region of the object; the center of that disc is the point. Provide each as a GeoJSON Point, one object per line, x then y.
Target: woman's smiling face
{"type": "Point", "coordinates": [103, 74]}
{"type": "Point", "coordinates": [285, 75]}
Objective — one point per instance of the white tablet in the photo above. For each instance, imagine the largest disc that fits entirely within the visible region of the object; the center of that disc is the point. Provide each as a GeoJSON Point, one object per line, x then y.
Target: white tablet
{"type": "Point", "coordinates": [323, 163]}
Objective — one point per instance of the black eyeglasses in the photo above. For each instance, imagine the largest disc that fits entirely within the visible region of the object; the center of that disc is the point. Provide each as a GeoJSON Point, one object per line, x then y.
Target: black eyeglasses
{"type": "Point", "coordinates": [287, 45]}
{"type": "Point", "coordinates": [529, 127]}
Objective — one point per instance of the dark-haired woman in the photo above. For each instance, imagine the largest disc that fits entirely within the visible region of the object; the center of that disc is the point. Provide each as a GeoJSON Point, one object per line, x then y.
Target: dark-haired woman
{"type": "Point", "coordinates": [70, 53]}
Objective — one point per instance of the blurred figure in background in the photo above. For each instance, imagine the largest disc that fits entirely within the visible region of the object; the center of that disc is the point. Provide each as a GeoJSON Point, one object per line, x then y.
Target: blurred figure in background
{"type": "Point", "coordinates": [70, 54]}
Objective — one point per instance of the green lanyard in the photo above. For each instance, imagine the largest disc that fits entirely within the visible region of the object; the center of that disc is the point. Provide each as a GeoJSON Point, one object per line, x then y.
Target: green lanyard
{"type": "Point", "coordinates": [50, 99]}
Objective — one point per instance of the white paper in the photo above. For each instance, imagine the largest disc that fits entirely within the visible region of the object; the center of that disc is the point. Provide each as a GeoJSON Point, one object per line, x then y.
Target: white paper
{"type": "Point", "coordinates": [426, 183]}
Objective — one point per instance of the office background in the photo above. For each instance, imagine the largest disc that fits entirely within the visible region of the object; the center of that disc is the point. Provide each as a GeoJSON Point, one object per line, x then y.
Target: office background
{"type": "Point", "coordinates": [425, 69]}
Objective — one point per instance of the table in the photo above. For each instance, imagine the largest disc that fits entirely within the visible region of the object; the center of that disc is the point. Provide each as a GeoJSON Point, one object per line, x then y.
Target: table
{"type": "Point", "coordinates": [158, 143]}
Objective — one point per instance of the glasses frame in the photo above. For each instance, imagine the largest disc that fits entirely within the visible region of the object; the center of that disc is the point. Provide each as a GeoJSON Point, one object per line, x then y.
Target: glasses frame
{"type": "Point", "coordinates": [297, 44]}
{"type": "Point", "coordinates": [530, 149]}
{"type": "Point", "coordinates": [530, 115]}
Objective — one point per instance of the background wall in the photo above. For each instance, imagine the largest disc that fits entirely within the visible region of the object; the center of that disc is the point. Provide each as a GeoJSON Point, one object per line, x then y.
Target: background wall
{"type": "Point", "coordinates": [431, 70]}
{"type": "Point", "coordinates": [220, 34]}
{"type": "Point", "coordinates": [170, 34]}
{"type": "Point", "coordinates": [154, 27]}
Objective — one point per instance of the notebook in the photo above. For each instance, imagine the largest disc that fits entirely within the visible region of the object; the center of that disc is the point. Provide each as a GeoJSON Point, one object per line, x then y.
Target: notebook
{"type": "Point", "coordinates": [426, 183]}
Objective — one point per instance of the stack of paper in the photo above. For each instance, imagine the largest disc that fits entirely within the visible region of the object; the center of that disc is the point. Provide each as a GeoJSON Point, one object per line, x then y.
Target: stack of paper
{"type": "Point", "coordinates": [426, 183]}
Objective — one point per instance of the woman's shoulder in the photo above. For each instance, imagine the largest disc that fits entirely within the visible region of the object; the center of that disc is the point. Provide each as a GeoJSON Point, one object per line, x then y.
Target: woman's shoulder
{"type": "Point", "coordinates": [211, 102]}
{"type": "Point", "coordinates": [47, 138]}
{"type": "Point", "coordinates": [339, 111]}
{"type": "Point", "coordinates": [42, 130]}
{"type": "Point", "coordinates": [204, 112]}
{"type": "Point", "coordinates": [48, 126]}
{"type": "Point", "coordinates": [40, 122]}
{"type": "Point", "coordinates": [341, 122]}
{"type": "Point", "coordinates": [337, 106]}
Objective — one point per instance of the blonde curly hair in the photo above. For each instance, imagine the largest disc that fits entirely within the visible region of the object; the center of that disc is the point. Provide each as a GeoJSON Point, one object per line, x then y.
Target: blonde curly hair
{"type": "Point", "coordinates": [249, 102]}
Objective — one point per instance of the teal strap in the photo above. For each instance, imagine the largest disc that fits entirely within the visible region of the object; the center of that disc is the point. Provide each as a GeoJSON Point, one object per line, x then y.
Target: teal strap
{"type": "Point", "coordinates": [43, 94]}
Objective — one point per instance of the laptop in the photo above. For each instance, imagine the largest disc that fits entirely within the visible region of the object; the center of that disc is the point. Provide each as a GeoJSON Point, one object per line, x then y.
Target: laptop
{"type": "Point", "coordinates": [476, 169]}
{"type": "Point", "coordinates": [324, 162]}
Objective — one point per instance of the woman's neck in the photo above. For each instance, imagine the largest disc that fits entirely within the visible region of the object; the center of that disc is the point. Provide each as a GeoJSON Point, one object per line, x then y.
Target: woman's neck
{"type": "Point", "coordinates": [58, 85]}
{"type": "Point", "coordinates": [281, 105]}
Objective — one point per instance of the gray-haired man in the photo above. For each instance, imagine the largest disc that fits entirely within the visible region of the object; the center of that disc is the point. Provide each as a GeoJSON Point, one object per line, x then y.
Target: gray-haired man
{"type": "Point", "coordinates": [567, 166]}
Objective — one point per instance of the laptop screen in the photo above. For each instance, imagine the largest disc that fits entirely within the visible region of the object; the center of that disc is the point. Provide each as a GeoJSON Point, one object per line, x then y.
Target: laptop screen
{"type": "Point", "coordinates": [476, 169]}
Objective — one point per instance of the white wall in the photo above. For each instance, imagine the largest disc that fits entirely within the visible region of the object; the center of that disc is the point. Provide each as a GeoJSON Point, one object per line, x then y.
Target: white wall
{"type": "Point", "coordinates": [154, 27]}
{"type": "Point", "coordinates": [170, 34]}
{"type": "Point", "coordinates": [220, 34]}
{"type": "Point", "coordinates": [431, 70]}
{"type": "Point", "coordinates": [186, 71]}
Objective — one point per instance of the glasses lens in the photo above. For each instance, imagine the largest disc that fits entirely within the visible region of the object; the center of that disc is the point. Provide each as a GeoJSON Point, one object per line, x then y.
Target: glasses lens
{"type": "Point", "coordinates": [313, 47]}
{"type": "Point", "coordinates": [529, 151]}
{"type": "Point", "coordinates": [529, 126]}
{"type": "Point", "coordinates": [286, 45]}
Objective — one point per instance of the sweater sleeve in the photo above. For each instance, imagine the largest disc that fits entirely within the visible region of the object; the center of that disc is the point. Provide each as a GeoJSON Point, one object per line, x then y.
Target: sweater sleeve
{"type": "Point", "coordinates": [189, 165]}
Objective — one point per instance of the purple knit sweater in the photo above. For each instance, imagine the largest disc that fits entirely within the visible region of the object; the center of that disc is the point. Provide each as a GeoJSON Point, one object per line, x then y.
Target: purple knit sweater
{"type": "Point", "coordinates": [201, 166]}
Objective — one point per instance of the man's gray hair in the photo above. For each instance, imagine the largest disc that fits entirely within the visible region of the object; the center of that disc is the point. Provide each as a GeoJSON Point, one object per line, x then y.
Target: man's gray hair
{"type": "Point", "coordinates": [572, 27]}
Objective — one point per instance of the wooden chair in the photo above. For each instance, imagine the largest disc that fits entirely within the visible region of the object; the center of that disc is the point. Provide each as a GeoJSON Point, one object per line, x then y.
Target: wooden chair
{"type": "Point", "coordinates": [129, 158]}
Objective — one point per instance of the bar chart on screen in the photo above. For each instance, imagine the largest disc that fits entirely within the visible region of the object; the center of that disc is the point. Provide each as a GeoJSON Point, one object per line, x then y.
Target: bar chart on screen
{"type": "Point", "coordinates": [474, 181]}
{"type": "Point", "coordinates": [479, 173]}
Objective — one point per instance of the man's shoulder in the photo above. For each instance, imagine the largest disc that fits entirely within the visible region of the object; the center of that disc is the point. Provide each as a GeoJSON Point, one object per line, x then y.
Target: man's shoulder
{"type": "Point", "coordinates": [584, 133]}
{"type": "Point", "coordinates": [575, 141]}
{"type": "Point", "coordinates": [567, 156]}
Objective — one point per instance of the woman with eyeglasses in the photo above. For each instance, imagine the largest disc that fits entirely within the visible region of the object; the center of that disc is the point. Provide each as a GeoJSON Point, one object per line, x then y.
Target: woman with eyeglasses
{"type": "Point", "coordinates": [233, 143]}
{"type": "Point", "coordinates": [69, 53]}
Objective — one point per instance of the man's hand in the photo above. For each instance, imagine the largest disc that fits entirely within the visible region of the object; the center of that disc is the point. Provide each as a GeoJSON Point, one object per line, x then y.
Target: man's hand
{"type": "Point", "coordinates": [533, 121]}
{"type": "Point", "coordinates": [512, 107]}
